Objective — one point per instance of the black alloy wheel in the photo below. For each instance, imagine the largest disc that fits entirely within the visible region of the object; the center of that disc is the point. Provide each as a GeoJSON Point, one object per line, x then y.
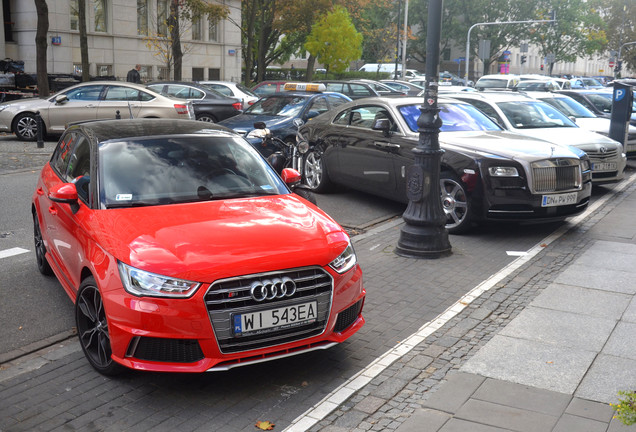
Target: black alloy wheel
{"type": "Point", "coordinates": [26, 127]}
{"type": "Point", "coordinates": [92, 328]}
{"type": "Point", "coordinates": [40, 250]}
{"type": "Point", "coordinates": [314, 173]}
{"type": "Point", "coordinates": [455, 203]}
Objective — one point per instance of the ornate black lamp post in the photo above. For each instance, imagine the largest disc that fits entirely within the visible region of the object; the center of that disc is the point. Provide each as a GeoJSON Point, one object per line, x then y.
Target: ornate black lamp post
{"type": "Point", "coordinates": [424, 234]}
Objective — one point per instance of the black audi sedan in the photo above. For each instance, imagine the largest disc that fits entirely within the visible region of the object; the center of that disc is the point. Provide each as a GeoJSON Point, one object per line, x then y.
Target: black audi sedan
{"type": "Point", "coordinates": [209, 105]}
{"type": "Point", "coordinates": [487, 174]}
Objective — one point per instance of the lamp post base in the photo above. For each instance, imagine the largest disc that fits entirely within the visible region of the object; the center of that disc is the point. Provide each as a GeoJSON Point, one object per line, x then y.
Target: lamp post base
{"type": "Point", "coordinates": [418, 241]}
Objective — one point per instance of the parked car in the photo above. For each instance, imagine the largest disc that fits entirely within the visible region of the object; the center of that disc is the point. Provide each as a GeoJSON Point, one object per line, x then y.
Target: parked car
{"type": "Point", "coordinates": [381, 88]}
{"type": "Point", "coordinates": [449, 78]}
{"type": "Point", "coordinates": [598, 101]}
{"type": "Point", "coordinates": [232, 89]}
{"type": "Point", "coordinates": [486, 174]}
{"type": "Point", "coordinates": [586, 83]}
{"type": "Point", "coordinates": [545, 85]}
{"type": "Point", "coordinates": [497, 82]}
{"type": "Point", "coordinates": [279, 110]}
{"type": "Point", "coordinates": [184, 251]}
{"type": "Point", "coordinates": [407, 87]}
{"type": "Point", "coordinates": [353, 90]}
{"type": "Point", "coordinates": [585, 118]}
{"type": "Point", "coordinates": [88, 101]}
{"type": "Point", "coordinates": [209, 105]}
{"type": "Point", "coordinates": [268, 87]}
{"type": "Point", "coordinates": [525, 115]}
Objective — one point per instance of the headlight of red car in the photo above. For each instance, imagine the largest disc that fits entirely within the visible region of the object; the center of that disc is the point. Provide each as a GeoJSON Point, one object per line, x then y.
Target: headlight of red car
{"type": "Point", "coordinates": [345, 261]}
{"type": "Point", "coordinates": [143, 283]}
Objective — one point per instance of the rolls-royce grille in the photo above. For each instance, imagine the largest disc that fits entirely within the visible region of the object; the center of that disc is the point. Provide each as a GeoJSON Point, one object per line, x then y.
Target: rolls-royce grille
{"type": "Point", "coordinates": [238, 307]}
{"type": "Point", "coordinates": [554, 175]}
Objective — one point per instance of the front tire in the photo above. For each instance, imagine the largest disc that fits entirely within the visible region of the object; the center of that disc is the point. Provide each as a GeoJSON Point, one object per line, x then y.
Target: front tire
{"type": "Point", "coordinates": [40, 250]}
{"type": "Point", "coordinates": [314, 172]}
{"type": "Point", "coordinates": [455, 203]}
{"type": "Point", "coordinates": [92, 328]}
{"type": "Point", "coordinates": [26, 127]}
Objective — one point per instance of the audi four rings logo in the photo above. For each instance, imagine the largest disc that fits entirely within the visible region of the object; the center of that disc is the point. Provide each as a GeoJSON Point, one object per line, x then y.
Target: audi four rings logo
{"type": "Point", "coordinates": [270, 289]}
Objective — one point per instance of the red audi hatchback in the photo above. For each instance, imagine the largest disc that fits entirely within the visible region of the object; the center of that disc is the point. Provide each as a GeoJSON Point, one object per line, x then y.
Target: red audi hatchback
{"type": "Point", "coordinates": [184, 251]}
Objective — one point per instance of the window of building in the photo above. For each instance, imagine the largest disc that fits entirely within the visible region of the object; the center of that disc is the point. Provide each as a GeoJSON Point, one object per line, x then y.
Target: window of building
{"type": "Point", "coordinates": [142, 17]}
{"type": "Point", "coordinates": [145, 73]}
{"type": "Point", "coordinates": [197, 29]}
{"type": "Point", "coordinates": [8, 24]}
{"type": "Point", "coordinates": [162, 17]}
{"type": "Point", "coordinates": [213, 31]}
{"type": "Point", "coordinates": [101, 18]}
{"type": "Point", "coordinates": [77, 69]}
{"type": "Point", "coordinates": [104, 70]}
{"type": "Point", "coordinates": [74, 9]}
{"type": "Point", "coordinates": [214, 74]}
{"type": "Point", "coordinates": [163, 73]}
{"type": "Point", "coordinates": [197, 74]}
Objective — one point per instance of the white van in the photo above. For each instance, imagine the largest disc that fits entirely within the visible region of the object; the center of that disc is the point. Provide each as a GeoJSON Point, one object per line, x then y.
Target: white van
{"type": "Point", "coordinates": [390, 68]}
{"type": "Point", "coordinates": [497, 82]}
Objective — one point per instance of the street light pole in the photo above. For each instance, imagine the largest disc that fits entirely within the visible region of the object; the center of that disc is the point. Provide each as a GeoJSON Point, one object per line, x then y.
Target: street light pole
{"type": "Point", "coordinates": [620, 58]}
{"type": "Point", "coordinates": [424, 233]}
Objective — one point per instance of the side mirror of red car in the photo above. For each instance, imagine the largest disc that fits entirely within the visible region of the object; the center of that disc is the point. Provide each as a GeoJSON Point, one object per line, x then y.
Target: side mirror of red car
{"type": "Point", "coordinates": [64, 193]}
{"type": "Point", "coordinates": [290, 176]}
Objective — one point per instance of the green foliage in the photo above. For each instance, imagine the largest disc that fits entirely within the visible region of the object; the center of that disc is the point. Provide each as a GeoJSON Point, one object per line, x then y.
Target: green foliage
{"type": "Point", "coordinates": [626, 407]}
{"type": "Point", "coordinates": [334, 40]}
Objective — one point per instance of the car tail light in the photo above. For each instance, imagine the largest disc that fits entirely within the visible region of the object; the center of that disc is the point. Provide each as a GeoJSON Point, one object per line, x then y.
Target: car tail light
{"type": "Point", "coordinates": [251, 102]}
{"type": "Point", "coordinates": [237, 106]}
{"type": "Point", "coordinates": [181, 109]}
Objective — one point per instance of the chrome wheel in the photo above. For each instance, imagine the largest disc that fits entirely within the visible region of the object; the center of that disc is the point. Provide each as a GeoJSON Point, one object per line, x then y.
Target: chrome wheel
{"type": "Point", "coordinates": [455, 204]}
{"type": "Point", "coordinates": [92, 328]}
{"type": "Point", "coordinates": [314, 173]}
{"type": "Point", "coordinates": [26, 128]}
{"type": "Point", "coordinates": [206, 118]}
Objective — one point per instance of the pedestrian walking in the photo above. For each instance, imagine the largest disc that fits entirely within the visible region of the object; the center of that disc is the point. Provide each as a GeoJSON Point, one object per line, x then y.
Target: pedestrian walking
{"type": "Point", "coordinates": [133, 75]}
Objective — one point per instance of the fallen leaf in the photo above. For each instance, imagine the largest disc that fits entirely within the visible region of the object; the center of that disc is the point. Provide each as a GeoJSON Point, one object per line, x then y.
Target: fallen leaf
{"type": "Point", "coordinates": [550, 362]}
{"type": "Point", "coordinates": [20, 328]}
{"type": "Point", "coordinates": [304, 384]}
{"type": "Point", "coordinates": [264, 425]}
{"type": "Point", "coordinates": [544, 245]}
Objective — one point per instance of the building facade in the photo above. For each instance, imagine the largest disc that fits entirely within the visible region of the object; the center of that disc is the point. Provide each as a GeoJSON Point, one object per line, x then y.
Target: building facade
{"type": "Point", "coordinates": [118, 32]}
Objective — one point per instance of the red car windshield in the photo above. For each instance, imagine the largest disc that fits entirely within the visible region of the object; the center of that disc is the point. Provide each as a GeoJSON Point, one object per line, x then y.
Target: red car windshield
{"type": "Point", "coordinates": [182, 168]}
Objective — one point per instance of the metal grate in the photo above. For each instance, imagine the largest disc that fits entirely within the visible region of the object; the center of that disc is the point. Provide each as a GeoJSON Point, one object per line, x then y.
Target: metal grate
{"type": "Point", "coordinates": [167, 350]}
{"type": "Point", "coordinates": [348, 316]}
{"type": "Point", "coordinates": [228, 297]}
{"type": "Point", "coordinates": [555, 175]}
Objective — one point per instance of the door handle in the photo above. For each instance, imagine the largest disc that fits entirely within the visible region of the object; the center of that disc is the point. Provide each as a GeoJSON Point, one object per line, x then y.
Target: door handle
{"type": "Point", "coordinates": [386, 145]}
{"type": "Point", "coordinates": [53, 210]}
{"type": "Point", "coordinates": [40, 191]}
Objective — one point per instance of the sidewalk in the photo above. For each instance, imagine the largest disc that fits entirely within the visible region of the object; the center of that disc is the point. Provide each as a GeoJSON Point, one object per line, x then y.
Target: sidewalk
{"type": "Point", "coordinates": [561, 341]}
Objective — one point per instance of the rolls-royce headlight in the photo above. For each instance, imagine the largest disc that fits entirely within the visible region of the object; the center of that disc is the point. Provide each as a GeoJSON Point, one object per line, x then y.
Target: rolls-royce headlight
{"type": "Point", "coordinates": [143, 283]}
{"type": "Point", "coordinates": [345, 261]}
{"type": "Point", "coordinates": [503, 171]}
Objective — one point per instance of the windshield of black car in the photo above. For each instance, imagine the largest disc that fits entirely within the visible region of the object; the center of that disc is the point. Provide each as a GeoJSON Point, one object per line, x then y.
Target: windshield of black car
{"type": "Point", "coordinates": [182, 168]}
{"type": "Point", "coordinates": [278, 105]}
{"type": "Point", "coordinates": [534, 115]}
{"type": "Point", "coordinates": [569, 107]}
{"type": "Point", "coordinates": [455, 117]}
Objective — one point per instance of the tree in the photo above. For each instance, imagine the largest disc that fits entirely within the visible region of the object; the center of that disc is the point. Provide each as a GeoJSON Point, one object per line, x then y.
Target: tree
{"type": "Point", "coordinates": [41, 44]}
{"type": "Point", "coordinates": [178, 21]}
{"type": "Point", "coordinates": [620, 23]}
{"type": "Point", "coordinates": [578, 30]}
{"type": "Point", "coordinates": [334, 40]}
{"type": "Point", "coordinates": [81, 16]}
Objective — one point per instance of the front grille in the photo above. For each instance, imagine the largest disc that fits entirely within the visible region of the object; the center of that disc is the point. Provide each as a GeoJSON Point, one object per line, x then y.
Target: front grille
{"type": "Point", "coordinates": [554, 175]}
{"type": "Point", "coordinates": [348, 316]}
{"type": "Point", "coordinates": [228, 297]}
{"type": "Point", "coordinates": [165, 350]}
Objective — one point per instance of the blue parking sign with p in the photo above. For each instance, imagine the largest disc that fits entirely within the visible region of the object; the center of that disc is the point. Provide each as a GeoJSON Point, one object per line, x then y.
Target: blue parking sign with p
{"type": "Point", "coordinates": [619, 94]}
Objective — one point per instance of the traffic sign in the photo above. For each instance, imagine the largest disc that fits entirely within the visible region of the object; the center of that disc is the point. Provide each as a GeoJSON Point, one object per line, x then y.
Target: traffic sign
{"type": "Point", "coordinates": [611, 63]}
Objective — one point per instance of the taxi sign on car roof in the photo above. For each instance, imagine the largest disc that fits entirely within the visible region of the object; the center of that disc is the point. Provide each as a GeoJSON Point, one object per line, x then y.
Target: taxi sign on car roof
{"type": "Point", "coordinates": [308, 87]}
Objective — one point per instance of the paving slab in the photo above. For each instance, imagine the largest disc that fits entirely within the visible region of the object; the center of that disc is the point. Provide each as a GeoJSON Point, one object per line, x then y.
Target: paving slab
{"type": "Point", "coordinates": [531, 363]}
{"type": "Point", "coordinates": [622, 342]}
{"type": "Point", "coordinates": [455, 392]}
{"type": "Point", "coordinates": [505, 417]}
{"type": "Point", "coordinates": [570, 423]}
{"type": "Point", "coordinates": [590, 409]}
{"type": "Point", "coordinates": [601, 259]}
{"type": "Point", "coordinates": [580, 275]}
{"type": "Point", "coordinates": [606, 377]}
{"type": "Point", "coordinates": [583, 301]}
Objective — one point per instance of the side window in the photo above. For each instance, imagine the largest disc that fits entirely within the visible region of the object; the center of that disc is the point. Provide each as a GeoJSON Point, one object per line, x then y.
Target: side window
{"type": "Point", "coordinates": [221, 89]}
{"type": "Point", "coordinates": [359, 90]}
{"type": "Point", "coordinates": [79, 167]}
{"type": "Point", "coordinates": [342, 118]}
{"type": "Point", "coordinates": [120, 93]}
{"type": "Point", "coordinates": [85, 93]}
{"type": "Point", "coordinates": [336, 87]}
{"type": "Point", "coordinates": [319, 105]}
{"type": "Point", "coordinates": [488, 110]}
{"type": "Point", "coordinates": [336, 101]}
{"type": "Point", "coordinates": [365, 117]}
{"type": "Point", "coordinates": [62, 154]}
{"type": "Point", "coordinates": [196, 94]}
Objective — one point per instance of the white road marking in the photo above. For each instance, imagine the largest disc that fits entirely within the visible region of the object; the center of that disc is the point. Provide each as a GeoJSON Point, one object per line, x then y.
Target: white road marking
{"type": "Point", "coordinates": [516, 253]}
{"type": "Point", "coordinates": [332, 401]}
{"type": "Point", "coordinates": [12, 252]}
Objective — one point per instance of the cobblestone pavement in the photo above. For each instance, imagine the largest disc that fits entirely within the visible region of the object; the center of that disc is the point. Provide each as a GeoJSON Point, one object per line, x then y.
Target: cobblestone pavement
{"type": "Point", "coordinates": [21, 155]}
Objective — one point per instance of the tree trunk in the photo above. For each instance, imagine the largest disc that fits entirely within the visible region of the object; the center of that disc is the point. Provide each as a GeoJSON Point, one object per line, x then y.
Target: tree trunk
{"type": "Point", "coordinates": [173, 25]}
{"type": "Point", "coordinates": [311, 62]}
{"type": "Point", "coordinates": [81, 9]}
{"type": "Point", "coordinates": [41, 44]}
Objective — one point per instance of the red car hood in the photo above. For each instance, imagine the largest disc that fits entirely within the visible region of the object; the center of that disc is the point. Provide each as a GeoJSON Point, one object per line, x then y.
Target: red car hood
{"type": "Point", "coordinates": [209, 240]}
